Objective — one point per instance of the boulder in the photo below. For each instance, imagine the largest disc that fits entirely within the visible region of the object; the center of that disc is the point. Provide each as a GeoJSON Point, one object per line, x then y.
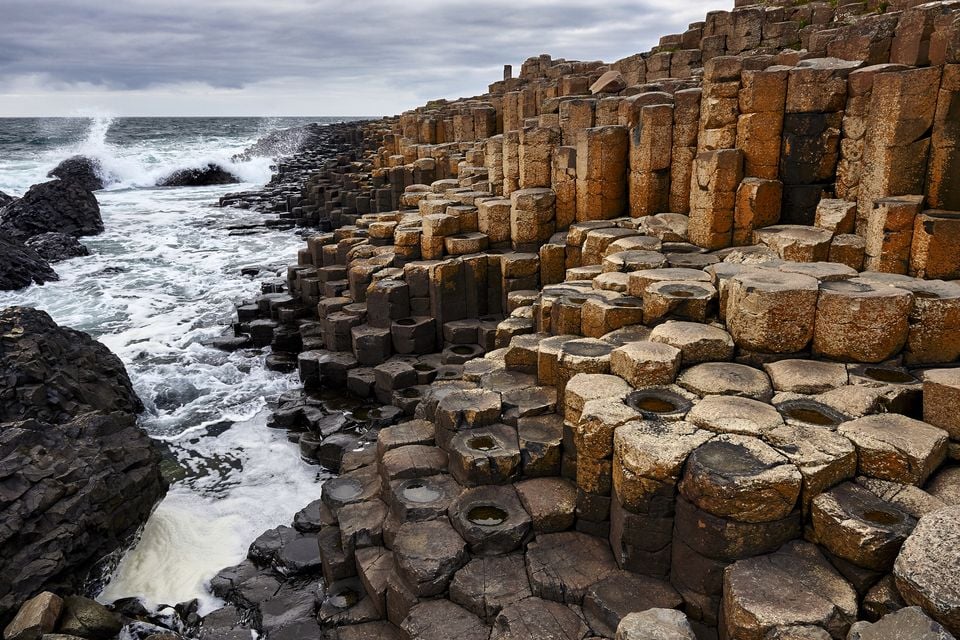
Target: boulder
{"type": "Point", "coordinates": [211, 174]}
{"type": "Point", "coordinates": [5, 199]}
{"type": "Point", "coordinates": [75, 492]}
{"type": "Point", "coordinates": [910, 622]}
{"type": "Point", "coordinates": [81, 170]}
{"type": "Point", "coordinates": [54, 373]}
{"type": "Point", "coordinates": [79, 476]}
{"type": "Point", "coordinates": [609, 82]}
{"type": "Point", "coordinates": [38, 616]}
{"type": "Point", "coordinates": [64, 207]}
{"type": "Point", "coordinates": [928, 567]}
{"type": "Point", "coordinates": [753, 602]}
{"type": "Point", "coordinates": [655, 624]}
{"type": "Point", "coordinates": [54, 247]}
{"type": "Point", "coordinates": [86, 618]}
{"type": "Point", "coordinates": [21, 266]}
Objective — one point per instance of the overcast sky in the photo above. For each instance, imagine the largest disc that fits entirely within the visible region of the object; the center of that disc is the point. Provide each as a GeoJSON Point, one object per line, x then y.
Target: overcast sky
{"type": "Point", "coordinates": [298, 57]}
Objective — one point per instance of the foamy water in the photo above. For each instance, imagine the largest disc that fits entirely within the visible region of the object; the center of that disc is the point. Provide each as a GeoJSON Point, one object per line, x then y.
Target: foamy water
{"type": "Point", "coordinates": [162, 278]}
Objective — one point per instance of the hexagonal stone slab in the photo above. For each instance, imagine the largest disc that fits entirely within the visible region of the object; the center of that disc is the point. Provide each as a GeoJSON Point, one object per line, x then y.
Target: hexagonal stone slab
{"type": "Point", "coordinates": [485, 586]}
{"type": "Point", "coordinates": [895, 447]}
{"type": "Point", "coordinates": [486, 455]}
{"type": "Point", "coordinates": [622, 593]}
{"type": "Point", "coordinates": [741, 478]}
{"type": "Point", "coordinates": [491, 519]}
{"type": "Point", "coordinates": [655, 624]}
{"type": "Point", "coordinates": [538, 619]}
{"type": "Point", "coordinates": [806, 376]}
{"type": "Point", "coordinates": [551, 503]}
{"type": "Point", "coordinates": [412, 461]}
{"type": "Point", "coordinates": [562, 566]}
{"type": "Point", "coordinates": [823, 457]}
{"type": "Point", "coordinates": [733, 414]}
{"type": "Point", "coordinates": [428, 554]}
{"type": "Point", "coordinates": [754, 589]}
{"type": "Point", "coordinates": [442, 620]}
{"type": "Point", "coordinates": [858, 526]}
{"type": "Point", "coordinates": [647, 461]}
{"type": "Point", "coordinates": [726, 379]}
{"type": "Point", "coordinates": [928, 567]}
{"type": "Point", "coordinates": [909, 622]}
{"type": "Point", "coordinates": [697, 342]}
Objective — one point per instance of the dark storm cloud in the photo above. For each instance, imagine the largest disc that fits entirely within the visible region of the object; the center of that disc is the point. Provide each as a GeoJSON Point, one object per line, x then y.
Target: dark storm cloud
{"type": "Point", "coordinates": [428, 46]}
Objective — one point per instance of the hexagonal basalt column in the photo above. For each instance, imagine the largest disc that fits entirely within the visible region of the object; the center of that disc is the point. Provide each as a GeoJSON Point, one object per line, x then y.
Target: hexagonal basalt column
{"type": "Point", "coordinates": [895, 447]}
{"type": "Point", "coordinates": [491, 519]}
{"type": "Point", "coordinates": [741, 478]}
{"type": "Point", "coordinates": [772, 312]}
{"type": "Point", "coordinates": [562, 566]}
{"type": "Point", "coordinates": [427, 555]}
{"type": "Point", "coordinates": [861, 322]}
{"type": "Point", "coordinates": [856, 525]}
{"type": "Point", "coordinates": [486, 455]}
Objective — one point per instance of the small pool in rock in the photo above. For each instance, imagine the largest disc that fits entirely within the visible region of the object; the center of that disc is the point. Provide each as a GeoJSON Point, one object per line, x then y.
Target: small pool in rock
{"type": "Point", "coordinates": [487, 516]}
{"type": "Point", "coordinates": [343, 598]}
{"type": "Point", "coordinates": [342, 489]}
{"type": "Point", "coordinates": [421, 493]}
{"type": "Point", "coordinates": [811, 412]}
{"type": "Point", "coordinates": [653, 403]}
{"type": "Point", "coordinates": [892, 376]}
{"type": "Point", "coordinates": [482, 443]}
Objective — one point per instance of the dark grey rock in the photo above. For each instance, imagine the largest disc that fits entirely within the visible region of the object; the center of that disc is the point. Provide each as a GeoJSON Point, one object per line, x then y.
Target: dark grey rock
{"type": "Point", "coordinates": [88, 619]}
{"type": "Point", "coordinates": [211, 174]}
{"type": "Point", "coordinates": [54, 373]}
{"type": "Point", "coordinates": [82, 170]}
{"type": "Point", "coordinates": [54, 247]}
{"type": "Point", "coordinates": [78, 475]}
{"type": "Point", "coordinates": [64, 207]}
{"type": "Point", "coordinates": [21, 266]}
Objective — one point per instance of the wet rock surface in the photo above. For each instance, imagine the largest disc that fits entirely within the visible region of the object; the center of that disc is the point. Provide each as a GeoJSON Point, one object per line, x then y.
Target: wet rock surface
{"type": "Point", "coordinates": [56, 206]}
{"type": "Point", "coordinates": [54, 373]}
{"type": "Point", "coordinates": [80, 476]}
{"type": "Point", "coordinates": [21, 266]}
{"type": "Point", "coordinates": [208, 175]}
{"type": "Point", "coordinates": [54, 247]}
{"type": "Point", "coordinates": [84, 171]}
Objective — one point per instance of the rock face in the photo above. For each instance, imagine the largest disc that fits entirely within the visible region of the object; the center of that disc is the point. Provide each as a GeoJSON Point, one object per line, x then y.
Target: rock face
{"type": "Point", "coordinates": [60, 206]}
{"type": "Point", "coordinates": [21, 266]}
{"type": "Point", "coordinates": [211, 174]}
{"type": "Point", "coordinates": [81, 170]}
{"type": "Point", "coordinates": [54, 247]}
{"type": "Point", "coordinates": [54, 373]}
{"type": "Point", "coordinates": [928, 567]}
{"type": "Point", "coordinates": [77, 492]}
{"type": "Point", "coordinates": [5, 199]}
{"type": "Point", "coordinates": [78, 476]}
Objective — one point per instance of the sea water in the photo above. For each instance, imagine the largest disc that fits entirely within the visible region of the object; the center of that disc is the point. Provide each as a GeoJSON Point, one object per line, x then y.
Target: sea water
{"type": "Point", "coordinates": [161, 279]}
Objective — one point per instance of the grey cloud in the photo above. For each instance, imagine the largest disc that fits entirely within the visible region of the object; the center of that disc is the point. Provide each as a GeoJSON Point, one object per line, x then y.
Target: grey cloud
{"type": "Point", "coordinates": [429, 47]}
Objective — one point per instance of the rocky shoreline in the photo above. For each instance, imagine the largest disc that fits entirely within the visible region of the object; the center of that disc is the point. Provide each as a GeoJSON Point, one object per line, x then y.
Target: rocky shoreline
{"type": "Point", "coordinates": [661, 349]}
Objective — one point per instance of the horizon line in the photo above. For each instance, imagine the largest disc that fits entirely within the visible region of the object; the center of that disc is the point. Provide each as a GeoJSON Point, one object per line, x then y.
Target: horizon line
{"type": "Point", "coordinates": [78, 117]}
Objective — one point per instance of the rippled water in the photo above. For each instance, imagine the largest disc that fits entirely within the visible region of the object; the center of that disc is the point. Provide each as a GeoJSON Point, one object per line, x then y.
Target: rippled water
{"type": "Point", "coordinates": [161, 279]}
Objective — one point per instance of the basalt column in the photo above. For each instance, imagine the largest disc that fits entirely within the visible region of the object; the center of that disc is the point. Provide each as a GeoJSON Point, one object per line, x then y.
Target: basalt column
{"type": "Point", "coordinates": [902, 110]}
{"type": "Point", "coordinates": [816, 97]}
{"type": "Point", "coordinates": [602, 154]}
{"type": "Point", "coordinates": [759, 128]}
{"type": "Point", "coordinates": [651, 144]}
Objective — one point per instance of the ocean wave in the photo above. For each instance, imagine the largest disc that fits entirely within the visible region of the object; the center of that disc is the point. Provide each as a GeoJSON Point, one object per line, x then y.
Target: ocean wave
{"type": "Point", "coordinates": [144, 164]}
